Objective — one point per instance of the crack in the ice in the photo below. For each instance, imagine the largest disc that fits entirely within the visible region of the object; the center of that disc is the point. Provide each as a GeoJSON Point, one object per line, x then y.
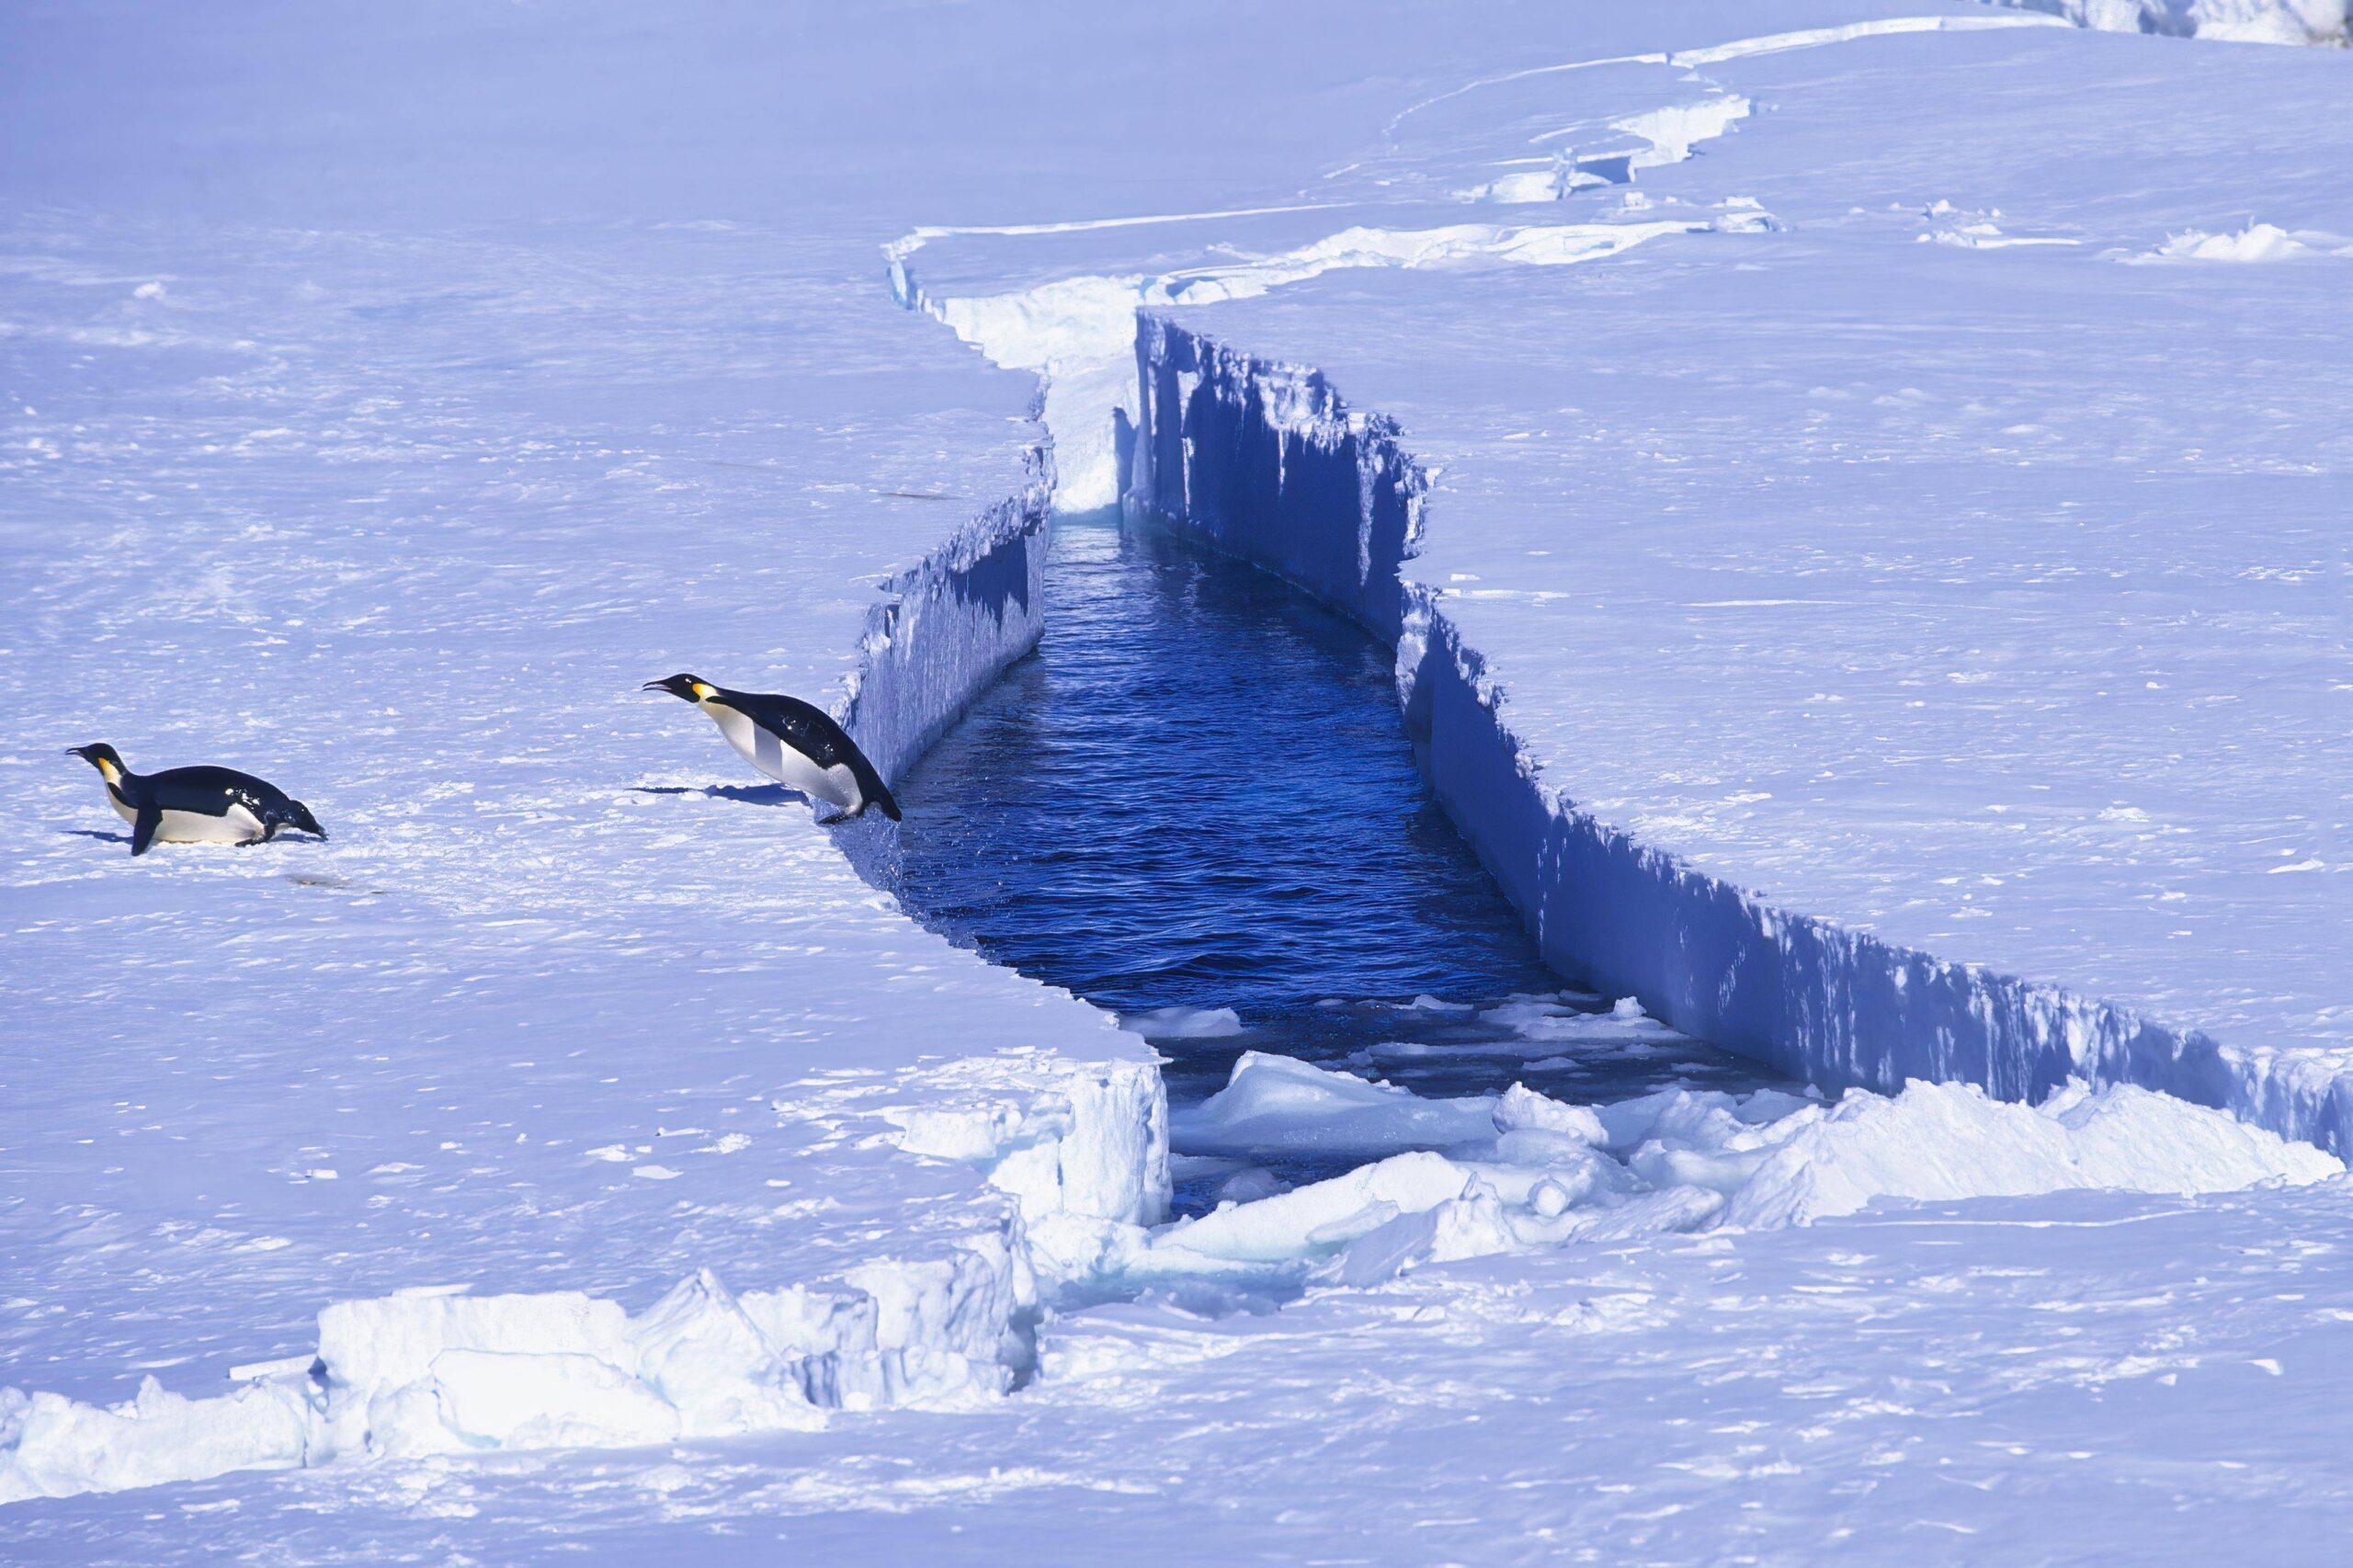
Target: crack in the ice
{"type": "Point", "coordinates": [1738, 49]}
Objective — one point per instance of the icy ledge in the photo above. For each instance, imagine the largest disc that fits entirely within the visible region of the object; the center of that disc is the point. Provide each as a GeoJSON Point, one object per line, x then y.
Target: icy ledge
{"type": "Point", "coordinates": [946, 628]}
{"type": "Point", "coordinates": [1267, 462]}
{"type": "Point", "coordinates": [1060, 1149]}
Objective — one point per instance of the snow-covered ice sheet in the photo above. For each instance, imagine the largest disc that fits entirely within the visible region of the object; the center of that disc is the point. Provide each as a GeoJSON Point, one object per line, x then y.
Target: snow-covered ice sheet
{"type": "Point", "coordinates": [383, 399]}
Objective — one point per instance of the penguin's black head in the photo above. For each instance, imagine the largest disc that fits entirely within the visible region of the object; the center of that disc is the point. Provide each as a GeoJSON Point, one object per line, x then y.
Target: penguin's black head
{"type": "Point", "coordinates": [686, 687]}
{"type": "Point", "coordinates": [300, 816]}
{"type": "Point", "coordinates": [103, 758]}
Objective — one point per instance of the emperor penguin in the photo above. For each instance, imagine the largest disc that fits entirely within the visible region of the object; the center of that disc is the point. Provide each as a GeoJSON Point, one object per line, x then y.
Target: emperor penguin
{"type": "Point", "coordinates": [196, 805]}
{"type": "Point", "coordinates": [792, 742]}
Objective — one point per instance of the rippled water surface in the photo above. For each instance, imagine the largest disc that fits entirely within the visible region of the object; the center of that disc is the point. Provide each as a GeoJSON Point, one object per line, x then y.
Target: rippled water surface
{"type": "Point", "coordinates": [1198, 795]}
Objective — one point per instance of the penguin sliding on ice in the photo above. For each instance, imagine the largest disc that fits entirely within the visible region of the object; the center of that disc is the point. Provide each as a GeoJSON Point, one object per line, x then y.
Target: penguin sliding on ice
{"type": "Point", "coordinates": [196, 805]}
{"type": "Point", "coordinates": [792, 742]}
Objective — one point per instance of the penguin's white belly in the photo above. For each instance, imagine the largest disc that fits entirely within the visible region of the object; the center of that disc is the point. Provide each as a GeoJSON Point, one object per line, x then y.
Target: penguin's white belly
{"type": "Point", "coordinates": [766, 752]}
{"type": "Point", "coordinates": [237, 826]}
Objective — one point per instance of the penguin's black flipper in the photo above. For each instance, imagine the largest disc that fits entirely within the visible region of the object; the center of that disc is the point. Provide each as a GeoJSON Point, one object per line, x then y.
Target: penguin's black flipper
{"type": "Point", "coordinates": [143, 828]}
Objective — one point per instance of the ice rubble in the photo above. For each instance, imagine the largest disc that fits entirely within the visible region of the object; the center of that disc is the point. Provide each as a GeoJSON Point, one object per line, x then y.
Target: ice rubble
{"type": "Point", "coordinates": [2256, 243]}
{"type": "Point", "coordinates": [1667, 134]}
{"type": "Point", "coordinates": [2229, 21]}
{"type": "Point", "coordinates": [1184, 1022]}
{"type": "Point", "coordinates": [1518, 1171]}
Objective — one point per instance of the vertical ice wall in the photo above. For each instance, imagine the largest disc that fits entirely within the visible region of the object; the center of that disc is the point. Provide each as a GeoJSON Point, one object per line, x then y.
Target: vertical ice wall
{"type": "Point", "coordinates": [1266, 462]}
{"type": "Point", "coordinates": [1275, 470]}
{"type": "Point", "coordinates": [948, 626]}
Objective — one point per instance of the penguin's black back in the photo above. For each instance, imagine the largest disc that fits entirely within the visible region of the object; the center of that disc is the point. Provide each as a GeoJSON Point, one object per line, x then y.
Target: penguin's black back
{"type": "Point", "coordinates": [211, 790]}
{"type": "Point", "coordinates": [804, 726]}
{"type": "Point", "coordinates": [811, 731]}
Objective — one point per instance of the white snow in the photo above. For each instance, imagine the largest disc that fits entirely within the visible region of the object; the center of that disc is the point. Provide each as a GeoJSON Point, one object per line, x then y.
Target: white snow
{"type": "Point", "coordinates": [2257, 242]}
{"type": "Point", "coordinates": [1184, 1022]}
{"type": "Point", "coordinates": [1277, 1101]}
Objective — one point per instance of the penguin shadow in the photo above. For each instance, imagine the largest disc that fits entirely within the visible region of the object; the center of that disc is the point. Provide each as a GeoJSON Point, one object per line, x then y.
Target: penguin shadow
{"type": "Point", "coordinates": [103, 836]}
{"type": "Point", "coordinates": [859, 837]}
{"type": "Point", "coordinates": [750, 794]}
{"type": "Point", "coordinates": [335, 885]}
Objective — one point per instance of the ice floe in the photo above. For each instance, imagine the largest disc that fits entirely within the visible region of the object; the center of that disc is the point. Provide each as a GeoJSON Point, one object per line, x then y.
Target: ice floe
{"type": "Point", "coordinates": [1519, 1170]}
{"type": "Point", "coordinates": [2256, 243]}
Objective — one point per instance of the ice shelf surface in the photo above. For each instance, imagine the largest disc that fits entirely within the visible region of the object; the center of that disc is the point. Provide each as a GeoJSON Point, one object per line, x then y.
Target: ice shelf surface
{"type": "Point", "coordinates": [384, 397]}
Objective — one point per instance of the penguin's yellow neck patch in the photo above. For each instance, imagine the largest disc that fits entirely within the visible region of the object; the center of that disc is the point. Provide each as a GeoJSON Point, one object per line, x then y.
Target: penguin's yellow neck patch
{"type": "Point", "coordinates": [109, 771]}
{"type": "Point", "coordinates": [704, 693]}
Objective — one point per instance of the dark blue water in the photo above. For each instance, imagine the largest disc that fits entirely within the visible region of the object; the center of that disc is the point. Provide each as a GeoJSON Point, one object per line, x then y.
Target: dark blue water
{"type": "Point", "coordinates": [1198, 794]}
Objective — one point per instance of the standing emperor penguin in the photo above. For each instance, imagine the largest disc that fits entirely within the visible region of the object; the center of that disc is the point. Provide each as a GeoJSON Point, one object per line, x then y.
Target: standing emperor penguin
{"type": "Point", "coordinates": [196, 805]}
{"type": "Point", "coordinates": [792, 742]}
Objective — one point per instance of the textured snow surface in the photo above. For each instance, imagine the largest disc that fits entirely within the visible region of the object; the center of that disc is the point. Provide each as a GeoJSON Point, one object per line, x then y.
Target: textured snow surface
{"type": "Point", "coordinates": [576, 1154]}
